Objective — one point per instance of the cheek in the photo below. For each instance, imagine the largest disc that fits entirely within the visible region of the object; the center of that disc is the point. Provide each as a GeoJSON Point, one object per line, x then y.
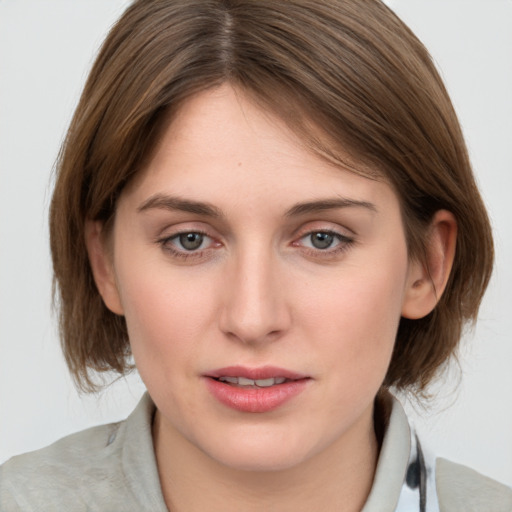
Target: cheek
{"type": "Point", "coordinates": [165, 327]}
{"type": "Point", "coordinates": [355, 315]}
{"type": "Point", "coordinates": [166, 314]}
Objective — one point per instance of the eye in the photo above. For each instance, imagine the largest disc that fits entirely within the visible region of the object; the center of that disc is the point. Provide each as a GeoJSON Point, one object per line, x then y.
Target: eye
{"type": "Point", "coordinates": [324, 243]}
{"type": "Point", "coordinates": [190, 241]}
{"type": "Point", "coordinates": [187, 245]}
{"type": "Point", "coordinates": [321, 239]}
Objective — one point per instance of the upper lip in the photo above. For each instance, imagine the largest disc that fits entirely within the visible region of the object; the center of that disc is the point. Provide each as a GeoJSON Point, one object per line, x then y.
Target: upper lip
{"type": "Point", "coordinates": [263, 372]}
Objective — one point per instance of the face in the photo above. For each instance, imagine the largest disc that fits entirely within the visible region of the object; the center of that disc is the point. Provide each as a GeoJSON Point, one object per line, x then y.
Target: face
{"type": "Point", "coordinates": [262, 287]}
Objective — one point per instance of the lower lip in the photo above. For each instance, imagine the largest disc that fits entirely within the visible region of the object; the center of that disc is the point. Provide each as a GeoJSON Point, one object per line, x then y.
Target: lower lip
{"type": "Point", "coordinates": [255, 399]}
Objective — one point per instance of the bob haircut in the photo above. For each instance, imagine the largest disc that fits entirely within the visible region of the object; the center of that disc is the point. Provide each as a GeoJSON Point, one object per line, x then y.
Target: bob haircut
{"type": "Point", "coordinates": [347, 76]}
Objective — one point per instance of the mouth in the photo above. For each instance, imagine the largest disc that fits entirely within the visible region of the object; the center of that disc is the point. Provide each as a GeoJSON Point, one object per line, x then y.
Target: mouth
{"type": "Point", "coordinates": [244, 382]}
{"type": "Point", "coordinates": [255, 389]}
{"type": "Point", "coordinates": [261, 377]}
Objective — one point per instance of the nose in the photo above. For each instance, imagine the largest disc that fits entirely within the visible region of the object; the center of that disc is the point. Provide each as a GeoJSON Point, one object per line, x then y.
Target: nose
{"type": "Point", "coordinates": [255, 309]}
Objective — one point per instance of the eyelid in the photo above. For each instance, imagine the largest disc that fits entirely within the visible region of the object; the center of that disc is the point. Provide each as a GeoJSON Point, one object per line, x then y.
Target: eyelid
{"type": "Point", "coordinates": [176, 236]}
{"type": "Point", "coordinates": [344, 236]}
{"type": "Point", "coordinates": [168, 235]}
{"type": "Point", "coordinates": [323, 227]}
{"type": "Point", "coordinates": [167, 231]}
{"type": "Point", "coordinates": [339, 236]}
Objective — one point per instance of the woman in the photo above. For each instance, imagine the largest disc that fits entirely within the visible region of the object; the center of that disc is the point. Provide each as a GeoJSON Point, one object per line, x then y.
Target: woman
{"type": "Point", "coordinates": [270, 206]}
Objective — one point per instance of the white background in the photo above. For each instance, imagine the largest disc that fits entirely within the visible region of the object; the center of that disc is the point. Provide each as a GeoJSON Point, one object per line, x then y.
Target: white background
{"type": "Point", "coordinates": [46, 48]}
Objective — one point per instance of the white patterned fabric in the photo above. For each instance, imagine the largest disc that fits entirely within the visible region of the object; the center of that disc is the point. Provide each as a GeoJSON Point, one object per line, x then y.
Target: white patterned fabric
{"type": "Point", "coordinates": [419, 487]}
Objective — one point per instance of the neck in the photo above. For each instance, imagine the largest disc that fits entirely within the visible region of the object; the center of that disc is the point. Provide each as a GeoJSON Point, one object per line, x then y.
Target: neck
{"type": "Point", "coordinates": [337, 479]}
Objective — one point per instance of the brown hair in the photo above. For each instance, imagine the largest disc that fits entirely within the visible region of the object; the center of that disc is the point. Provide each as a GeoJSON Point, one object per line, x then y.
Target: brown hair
{"type": "Point", "coordinates": [350, 67]}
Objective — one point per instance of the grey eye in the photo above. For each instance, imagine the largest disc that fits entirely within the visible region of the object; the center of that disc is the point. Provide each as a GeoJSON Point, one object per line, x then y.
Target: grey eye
{"type": "Point", "coordinates": [191, 241]}
{"type": "Point", "coordinates": [321, 240]}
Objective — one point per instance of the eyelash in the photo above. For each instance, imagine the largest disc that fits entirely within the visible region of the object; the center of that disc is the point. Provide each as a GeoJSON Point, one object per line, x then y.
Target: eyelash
{"type": "Point", "coordinates": [184, 255]}
{"type": "Point", "coordinates": [344, 243]}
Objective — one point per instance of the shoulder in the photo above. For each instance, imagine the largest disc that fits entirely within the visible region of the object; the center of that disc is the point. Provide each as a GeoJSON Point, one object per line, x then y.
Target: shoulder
{"type": "Point", "coordinates": [109, 467]}
{"type": "Point", "coordinates": [461, 488]}
{"type": "Point", "coordinates": [57, 473]}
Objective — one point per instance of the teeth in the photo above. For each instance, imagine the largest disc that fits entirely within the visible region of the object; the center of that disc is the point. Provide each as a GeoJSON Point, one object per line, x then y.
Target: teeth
{"type": "Point", "coordinates": [231, 380]}
{"type": "Point", "coordinates": [262, 383]}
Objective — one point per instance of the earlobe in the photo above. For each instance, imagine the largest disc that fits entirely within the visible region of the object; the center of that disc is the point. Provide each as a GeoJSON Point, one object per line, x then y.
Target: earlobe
{"type": "Point", "coordinates": [100, 260]}
{"type": "Point", "coordinates": [426, 281]}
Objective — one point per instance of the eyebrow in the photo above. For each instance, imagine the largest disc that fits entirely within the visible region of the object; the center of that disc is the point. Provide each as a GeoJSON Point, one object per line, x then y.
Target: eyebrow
{"type": "Point", "coordinates": [328, 204]}
{"type": "Point", "coordinates": [175, 203]}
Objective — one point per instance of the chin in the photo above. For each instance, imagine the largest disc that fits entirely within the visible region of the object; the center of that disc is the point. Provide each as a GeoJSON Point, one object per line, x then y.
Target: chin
{"type": "Point", "coordinates": [259, 462]}
{"type": "Point", "coordinates": [259, 453]}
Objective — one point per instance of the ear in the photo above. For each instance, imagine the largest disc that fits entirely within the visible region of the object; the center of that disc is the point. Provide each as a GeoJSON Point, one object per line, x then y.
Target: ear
{"type": "Point", "coordinates": [100, 259]}
{"type": "Point", "coordinates": [426, 282]}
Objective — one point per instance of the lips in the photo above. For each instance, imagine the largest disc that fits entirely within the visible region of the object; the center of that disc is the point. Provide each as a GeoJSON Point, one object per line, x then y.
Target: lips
{"type": "Point", "coordinates": [263, 372]}
{"type": "Point", "coordinates": [255, 390]}
{"type": "Point", "coordinates": [257, 383]}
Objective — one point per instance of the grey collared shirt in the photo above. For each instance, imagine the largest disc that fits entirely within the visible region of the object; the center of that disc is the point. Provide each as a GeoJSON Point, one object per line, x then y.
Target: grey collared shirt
{"type": "Point", "coordinates": [113, 468]}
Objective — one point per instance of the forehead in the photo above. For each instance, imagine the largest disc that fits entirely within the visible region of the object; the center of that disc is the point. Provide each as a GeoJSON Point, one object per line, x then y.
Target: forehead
{"type": "Point", "coordinates": [220, 141]}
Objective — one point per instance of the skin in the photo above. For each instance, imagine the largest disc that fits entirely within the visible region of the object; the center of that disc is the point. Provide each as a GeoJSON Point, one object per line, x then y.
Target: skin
{"type": "Point", "coordinates": [259, 292]}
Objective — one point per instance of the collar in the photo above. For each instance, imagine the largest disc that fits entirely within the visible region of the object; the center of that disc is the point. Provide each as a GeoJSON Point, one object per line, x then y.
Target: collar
{"type": "Point", "coordinates": [404, 479]}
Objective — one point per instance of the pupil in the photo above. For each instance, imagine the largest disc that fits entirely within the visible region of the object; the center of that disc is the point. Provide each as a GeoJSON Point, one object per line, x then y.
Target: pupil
{"type": "Point", "coordinates": [191, 241]}
{"type": "Point", "coordinates": [322, 240]}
